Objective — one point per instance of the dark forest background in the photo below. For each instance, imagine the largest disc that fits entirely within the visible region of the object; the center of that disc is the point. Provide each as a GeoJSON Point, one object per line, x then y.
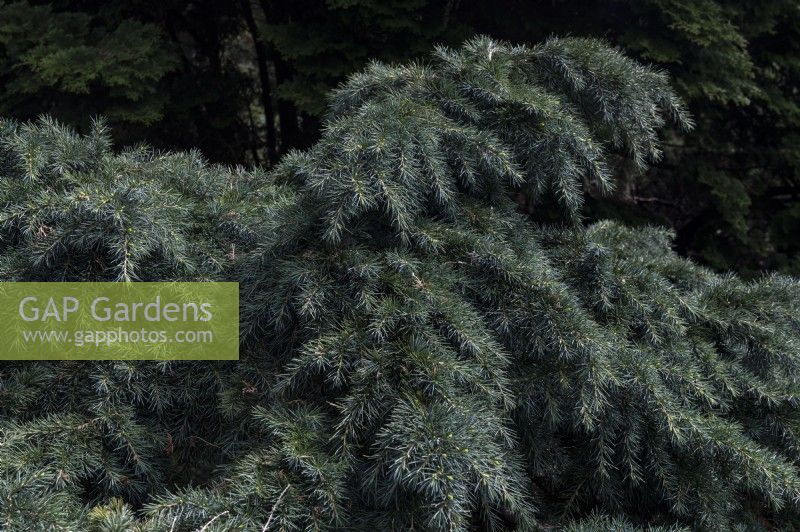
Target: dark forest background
{"type": "Point", "coordinates": [245, 81]}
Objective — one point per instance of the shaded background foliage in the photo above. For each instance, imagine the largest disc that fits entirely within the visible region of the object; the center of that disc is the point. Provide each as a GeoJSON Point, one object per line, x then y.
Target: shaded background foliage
{"type": "Point", "coordinates": [245, 81]}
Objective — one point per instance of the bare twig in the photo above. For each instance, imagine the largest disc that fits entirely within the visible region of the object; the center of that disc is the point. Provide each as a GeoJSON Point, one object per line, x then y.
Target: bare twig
{"type": "Point", "coordinates": [641, 199]}
{"type": "Point", "coordinates": [274, 506]}
{"type": "Point", "coordinates": [205, 526]}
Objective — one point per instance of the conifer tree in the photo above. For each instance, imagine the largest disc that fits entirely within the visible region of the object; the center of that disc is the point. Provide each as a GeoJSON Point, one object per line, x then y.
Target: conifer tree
{"type": "Point", "coordinates": [416, 353]}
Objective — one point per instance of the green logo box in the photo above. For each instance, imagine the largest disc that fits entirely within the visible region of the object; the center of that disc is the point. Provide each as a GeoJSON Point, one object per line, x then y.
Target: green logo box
{"type": "Point", "coordinates": [119, 321]}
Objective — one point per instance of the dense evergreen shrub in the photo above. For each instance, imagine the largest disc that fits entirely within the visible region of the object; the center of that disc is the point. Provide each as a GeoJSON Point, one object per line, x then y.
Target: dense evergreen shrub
{"type": "Point", "coordinates": [416, 353]}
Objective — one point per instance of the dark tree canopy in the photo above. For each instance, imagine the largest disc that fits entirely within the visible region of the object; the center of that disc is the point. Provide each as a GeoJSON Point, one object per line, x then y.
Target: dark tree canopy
{"type": "Point", "coordinates": [246, 81]}
{"type": "Point", "coordinates": [416, 353]}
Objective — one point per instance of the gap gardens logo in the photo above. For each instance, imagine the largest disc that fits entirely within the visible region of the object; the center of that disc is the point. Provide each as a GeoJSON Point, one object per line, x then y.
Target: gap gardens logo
{"type": "Point", "coordinates": [108, 321]}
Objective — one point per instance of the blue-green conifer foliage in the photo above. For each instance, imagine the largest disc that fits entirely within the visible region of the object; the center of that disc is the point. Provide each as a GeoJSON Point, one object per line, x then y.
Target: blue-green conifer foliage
{"type": "Point", "coordinates": [416, 354]}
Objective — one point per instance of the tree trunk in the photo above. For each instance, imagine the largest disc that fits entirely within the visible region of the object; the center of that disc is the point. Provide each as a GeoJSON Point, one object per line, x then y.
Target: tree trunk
{"type": "Point", "coordinates": [263, 72]}
{"type": "Point", "coordinates": [290, 134]}
{"type": "Point", "coordinates": [287, 112]}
